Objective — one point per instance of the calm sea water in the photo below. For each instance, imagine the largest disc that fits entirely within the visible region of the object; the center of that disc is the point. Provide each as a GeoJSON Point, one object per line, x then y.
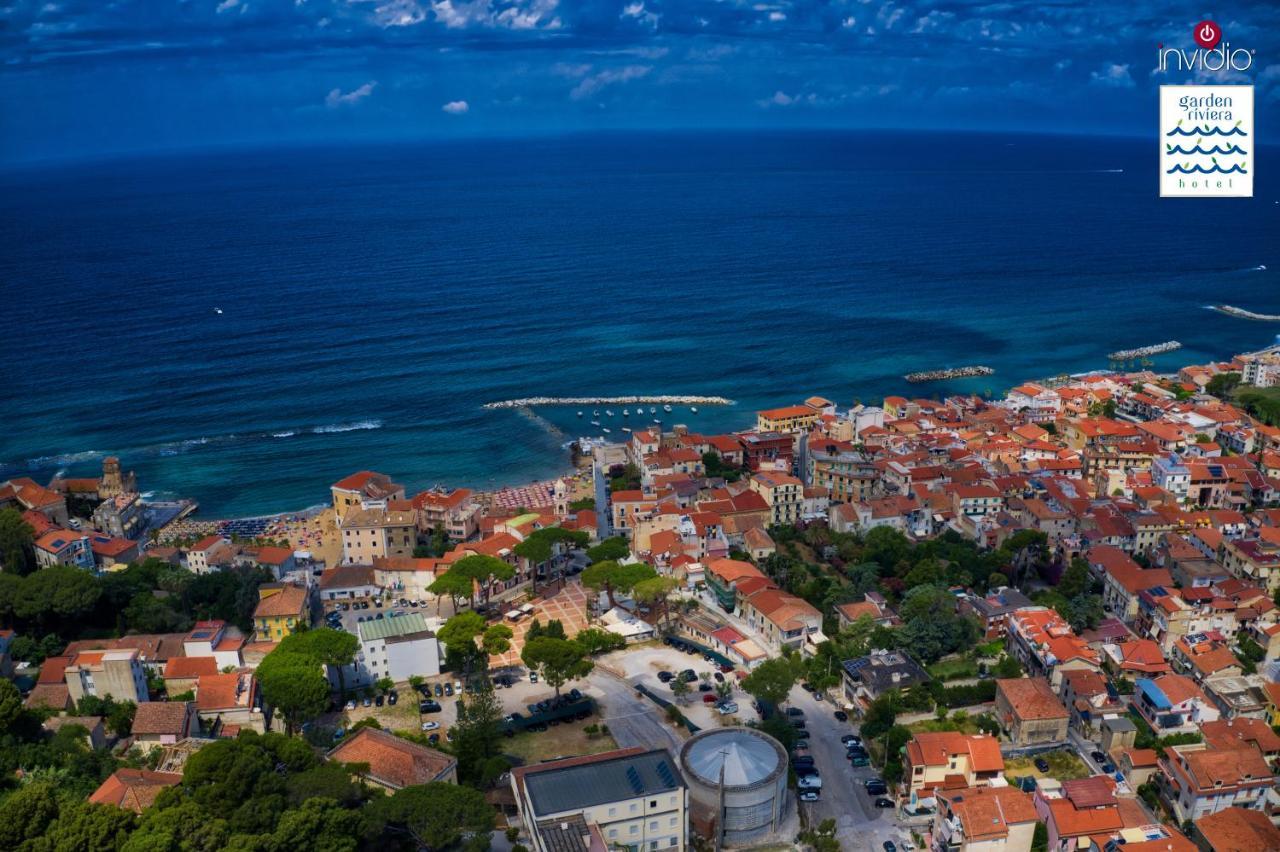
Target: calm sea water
{"type": "Point", "coordinates": [373, 298]}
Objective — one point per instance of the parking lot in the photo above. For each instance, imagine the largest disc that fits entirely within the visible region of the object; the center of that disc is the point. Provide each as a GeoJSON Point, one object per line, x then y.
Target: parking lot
{"type": "Point", "coordinates": [370, 609]}
{"type": "Point", "coordinates": [642, 664]}
{"type": "Point", "coordinates": [844, 798]}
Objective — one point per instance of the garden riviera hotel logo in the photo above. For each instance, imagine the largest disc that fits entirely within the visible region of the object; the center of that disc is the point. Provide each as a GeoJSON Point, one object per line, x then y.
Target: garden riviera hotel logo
{"type": "Point", "coordinates": [1207, 136]}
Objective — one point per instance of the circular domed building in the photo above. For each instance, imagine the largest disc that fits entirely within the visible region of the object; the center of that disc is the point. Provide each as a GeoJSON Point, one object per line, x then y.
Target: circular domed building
{"type": "Point", "coordinates": [745, 770]}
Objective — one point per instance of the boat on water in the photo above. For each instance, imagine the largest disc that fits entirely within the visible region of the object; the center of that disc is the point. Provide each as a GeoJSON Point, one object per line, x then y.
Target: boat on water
{"type": "Point", "coordinates": [606, 431]}
{"type": "Point", "coordinates": [595, 413]}
{"type": "Point", "coordinates": [626, 429]}
{"type": "Point", "coordinates": [608, 412]}
{"type": "Point", "coordinates": [666, 408]}
{"type": "Point", "coordinates": [653, 410]}
{"type": "Point", "coordinates": [579, 413]}
{"type": "Point", "coordinates": [595, 422]}
{"type": "Point", "coordinates": [694, 409]}
{"type": "Point", "coordinates": [656, 420]}
{"type": "Point", "coordinates": [626, 413]}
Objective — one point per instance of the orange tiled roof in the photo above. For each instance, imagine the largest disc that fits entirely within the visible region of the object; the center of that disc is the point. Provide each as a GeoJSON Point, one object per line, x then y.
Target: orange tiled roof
{"type": "Point", "coordinates": [134, 789]}
{"type": "Point", "coordinates": [935, 748]}
{"type": "Point", "coordinates": [1031, 698]}
{"type": "Point", "coordinates": [1240, 830]}
{"type": "Point", "coordinates": [182, 667]}
{"type": "Point", "coordinates": [393, 761]}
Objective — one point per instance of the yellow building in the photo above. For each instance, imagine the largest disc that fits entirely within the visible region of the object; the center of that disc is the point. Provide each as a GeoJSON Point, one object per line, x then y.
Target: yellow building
{"type": "Point", "coordinates": [281, 608]}
{"type": "Point", "coordinates": [361, 488]}
{"type": "Point", "coordinates": [936, 757]}
{"type": "Point", "coordinates": [378, 533]}
{"type": "Point", "coordinates": [787, 420]}
{"type": "Point", "coordinates": [783, 492]}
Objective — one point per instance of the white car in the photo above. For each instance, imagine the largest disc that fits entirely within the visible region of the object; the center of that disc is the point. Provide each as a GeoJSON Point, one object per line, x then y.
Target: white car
{"type": "Point", "coordinates": [726, 709]}
{"type": "Point", "coordinates": [809, 782]}
{"type": "Point", "coordinates": [809, 795]}
{"type": "Point", "coordinates": [430, 726]}
{"type": "Point", "coordinates": [351, 705]}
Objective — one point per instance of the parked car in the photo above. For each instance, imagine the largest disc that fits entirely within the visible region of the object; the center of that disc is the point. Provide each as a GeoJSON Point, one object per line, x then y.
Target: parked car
{"type": "Point", "coordinates": [688, 676]}
{"type": "Point", "coordinates": [726, 707]}
{"type": "Point", "coordinates": [802, 743]}
{"type": "Point", "coordinates": [430, 726]}
{"type": "Point", "coordinates": [705, 687]}
{"type": "Point", "coordinates": [798, 724]}
{"type": "Point", "coordinates": [1109, 767]}
{"type": "Point", "coordinates": [367, 702]}
{"type": "Point", "coordinates": [875, 786]}
{"type": "Point", "coordinates": [448, 690]}
{"type": "Point", "coordinates": [378, 702]}
{"type": "Point", "coordinates": [351, 705]}
{"type": "Point", "coordinates": [393, 698]}
{"type": "Point", "coordinates": [439, 691]}
{"type": "Point", "coordinates": [889, 846]}
{"type": "Point", "coordinates": [796, 712]}
{"type": "Point", "coordinates": [1098, 757]}
{"type": "Point", "coordinates": [841, 716]}
{"type": "Point", "coordinates": [860, 761]}
{"type": "Point", "coordinates": [533, 677]}
{"type": "Point", "coordinates": [434, 739]}
{"type": "Point", "coordinates": [802, 761]}
{"type": "Point", "coordinates": [808, 795]}
{"type": "Point", "coordinates": [429, 707]}
{"type": "Point", "coordinates": [666, 676]}
{"type": "Point", "coordinates": [807, 687]}
{"type": "Point", "coordinates": [718, 676]}
{"type": "Point", "coordinates": [882, 802]}
{"type": "Point", "coordinates": [848, 739]}
{"type": "Point", "coordinates": [1042, 764]}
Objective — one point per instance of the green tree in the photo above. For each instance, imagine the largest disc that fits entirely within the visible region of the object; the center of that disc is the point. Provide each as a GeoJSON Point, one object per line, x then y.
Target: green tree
{"type": "Point", "coordinates": [334, 648]}
{"type": "Point", "coordinates": [596, 641]}
{"type": "Point", "coordinates": [557, 661]}
{"type": "Point", "coordinates": [27, 813]}
{"type": "Point", "coordinates": [293, 684]}
{"type": "Point", "coordinates": [319, 824]}
{"type": "Point", "coordinates": [435, 816]}
{"type": "Point", "coordinates": [477, 735]}
{"type": "Point", "coordinates": [541, 545]}
{"type": "Point", "coordinates": [655, 593]}
{"type": "Point", "coordinates": [17, 543]}
{"type": "Point", "coordinates": [1223, 384]}
{"type": "Point", "coordinates": [470, 573]}
{"type": "Point", "coordinates": [59, 594]}
{"type": "Point", "coordinates": [680, 689]}
{"type": "Point", "coordinates": [1075, 579]}
{"type": "Point", "coordinates": [553, 628]}
{"type": "Point", "coordinates": [610, 550]}
{"type": "Point", "coordinates": [771, 681]}
{"type": "Point", "coordinates": [616, 577]}
{"type": "Point", "coordinates": [185, 827]}
{"type": "Point", "coordinates": [85, 826]}
{"type": "Point", "coordinates": [11, 709]}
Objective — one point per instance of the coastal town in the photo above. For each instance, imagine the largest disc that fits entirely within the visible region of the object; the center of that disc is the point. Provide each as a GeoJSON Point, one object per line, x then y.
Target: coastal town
{"type": "Point", "coordinates": [1043, 621]}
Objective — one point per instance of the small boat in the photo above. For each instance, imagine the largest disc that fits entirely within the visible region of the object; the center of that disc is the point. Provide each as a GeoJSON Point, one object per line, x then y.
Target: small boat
{"type": "Point", "coordinates": [217, 310]}
{"type": "Point", "coordinates": [626, 429]}
{"type": "Point", "coordinates": [595, 422]}
{"type": "Point", "coordinates": [653, 410]}
{"type": "Point", "coordinates": [656, 420]}
{"type": "Point", "coordinates": [579, 413]}
{"type": "Point", "coordinates": [666, 408]}
{"type": "Point", "coordinates": [626, 413]}
{"type": "Point", "coordinates": [606, 431]}
{"type": "Point", "coordinates": [595, 413]}
{"type": "Point", "coordinates": [692, 408]}
{"type": "Point", "coordinates": [608, 412]}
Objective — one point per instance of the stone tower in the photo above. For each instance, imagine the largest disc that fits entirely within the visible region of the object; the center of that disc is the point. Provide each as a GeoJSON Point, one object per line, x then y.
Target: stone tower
{"type": "Point", "coordinates": [562, 498]}
{"type": "Point", "coordinates": [114, 481]}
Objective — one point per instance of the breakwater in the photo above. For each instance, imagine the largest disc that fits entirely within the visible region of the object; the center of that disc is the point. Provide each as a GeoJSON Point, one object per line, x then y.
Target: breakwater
{"type": "Point", "coordinates": [530, 401]}
{"type": "Point", "coordinates": [1232, 310]}
{"type": "Point", "coordinates": [1144, 351]}
{"type": "Point", "coordinates": [953, 373]}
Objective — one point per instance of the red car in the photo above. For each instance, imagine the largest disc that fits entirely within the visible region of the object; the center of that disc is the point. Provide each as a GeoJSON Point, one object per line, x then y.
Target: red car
{"type": "Point", "coordinates": [709, 698]}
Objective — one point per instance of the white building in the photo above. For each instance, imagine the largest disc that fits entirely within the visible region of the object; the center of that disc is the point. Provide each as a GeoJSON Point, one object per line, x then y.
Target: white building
{"type": "Point", "coordinates": [397, 647]}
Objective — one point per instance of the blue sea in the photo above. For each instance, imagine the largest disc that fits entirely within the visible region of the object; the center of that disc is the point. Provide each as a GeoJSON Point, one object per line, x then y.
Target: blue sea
{"type": "Point", "coordinates": [373, 298]}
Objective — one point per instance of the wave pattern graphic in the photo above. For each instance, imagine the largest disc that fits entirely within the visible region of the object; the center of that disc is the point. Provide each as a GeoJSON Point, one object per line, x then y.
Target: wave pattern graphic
{"type": "Point", "coordinates": [1206, 131]}
{"type": "Point", "coordinates": [1198, 149]}
{"type": "Point", "coordinates": [1216, 169]}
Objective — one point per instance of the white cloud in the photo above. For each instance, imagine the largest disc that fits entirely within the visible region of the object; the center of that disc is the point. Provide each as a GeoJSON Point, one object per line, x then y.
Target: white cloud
{"type": "Point", "coordinates": [638, 12]}
{"type": "Point", "coordinates": [522, 15]}
{"type": "Point", "coordinates": [456, 107]}
{"type": "Point", "coordinates": [227, 6]}
{"type": "Point", "coordinates": [933, 21]}
{"type": "Point", "coordinates": [782, 99]}
{"type": "Point", "coordinates": [399, 13]}
{"type": "Point", "coordinates": [338, 98]}
{"type": "Point", "coordinates": [849, 22]}
{"type": "Point", "coordinates": [1116, 76]}
{"type": "Point", "coordinates": [593, 84]}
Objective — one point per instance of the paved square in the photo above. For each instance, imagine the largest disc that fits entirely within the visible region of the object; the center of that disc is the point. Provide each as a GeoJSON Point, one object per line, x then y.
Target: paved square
{"type": "Point", "coordinates": [568, 606]}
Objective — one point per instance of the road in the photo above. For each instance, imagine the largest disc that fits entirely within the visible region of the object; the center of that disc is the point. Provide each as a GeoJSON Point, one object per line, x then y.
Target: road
{"type": "Point", "coordinates": [859, 824]}
{"type": "Point", "coordinates": [632, 719]}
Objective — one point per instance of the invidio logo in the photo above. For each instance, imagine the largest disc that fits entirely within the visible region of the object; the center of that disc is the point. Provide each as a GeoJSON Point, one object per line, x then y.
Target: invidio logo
{"type": "Point", "coordinates": [1213, 54]}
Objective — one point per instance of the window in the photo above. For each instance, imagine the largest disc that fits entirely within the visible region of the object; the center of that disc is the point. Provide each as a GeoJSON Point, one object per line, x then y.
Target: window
{"type": "Point", "coordinates": [613, 811]}
{"type": "Point", "coordinates": [653, 804]}
{"type": "Point", "coordinates": [633, 807]}
{"type": "Point", "coordinates": [653, 825]}
{"type": "Point", "coordinates": [675, 841]}
{"type": "Point", "coordinates": [613, 832]}
{"type": "Point", "coordinates": [634, 828]}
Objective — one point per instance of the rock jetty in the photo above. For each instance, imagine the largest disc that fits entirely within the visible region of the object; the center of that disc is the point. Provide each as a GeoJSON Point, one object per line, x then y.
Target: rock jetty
{"type": "Point", "coordinates": [1232, 310]}
{"type": "Point", "coordinates": [953, 373]}
{"type": "Point", "coordinates": [530, 401]}
{"type": "Point", "coordinates": [1144, 351]}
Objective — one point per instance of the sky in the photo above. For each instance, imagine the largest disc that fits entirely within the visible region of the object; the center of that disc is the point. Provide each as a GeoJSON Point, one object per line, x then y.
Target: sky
{"type": "Point", "coordinates": [95, 78]}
